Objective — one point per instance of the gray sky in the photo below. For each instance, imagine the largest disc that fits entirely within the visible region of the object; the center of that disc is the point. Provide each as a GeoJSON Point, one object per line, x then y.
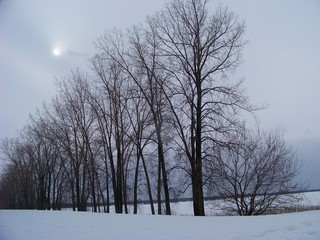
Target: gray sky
{"type": "Point", "coordinates": [281, 65]}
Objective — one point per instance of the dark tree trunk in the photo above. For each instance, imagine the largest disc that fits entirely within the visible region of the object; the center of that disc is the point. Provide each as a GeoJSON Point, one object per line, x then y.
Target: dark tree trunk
{"type": "Point", "coordinates": [135, 190]}
{"type": "Point", "coordinates": [148, 185]}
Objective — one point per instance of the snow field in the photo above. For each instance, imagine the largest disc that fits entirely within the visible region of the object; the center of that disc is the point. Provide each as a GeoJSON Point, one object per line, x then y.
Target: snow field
{"type": "Point", "coordinates": [67, 225]}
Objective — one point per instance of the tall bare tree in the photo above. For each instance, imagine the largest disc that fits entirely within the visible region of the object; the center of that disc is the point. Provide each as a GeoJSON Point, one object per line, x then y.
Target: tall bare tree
{"type": "Point", "coordinates": [141, 136]}
{"type": "Point", "coordinates": [136, 55]}
{"type": "Point", "coordinates": [114, 85]}
{"type": "Point", "coordinates": [197, 51]}
{"type": "Point", "coordinates": [72, 124]}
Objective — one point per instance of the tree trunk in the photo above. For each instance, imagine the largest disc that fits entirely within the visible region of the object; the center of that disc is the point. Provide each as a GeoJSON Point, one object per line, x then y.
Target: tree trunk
{"type": "Point", "coordinates": [162, 171]}
{"type": "Point", "coordinates": [197, 194]}
{"type": "Point", "coordinates": [148, 185]}
{"type": "Point", "coordinates": [159, 189]}
{"type": "Point", "coordinates": [197, 178]}
{"type": "Point", "coordinates": [135, 190]}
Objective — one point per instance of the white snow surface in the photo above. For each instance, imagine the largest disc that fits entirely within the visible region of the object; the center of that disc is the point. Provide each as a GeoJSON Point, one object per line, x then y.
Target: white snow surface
{"type": "Point", "coordinates": [68, 225]}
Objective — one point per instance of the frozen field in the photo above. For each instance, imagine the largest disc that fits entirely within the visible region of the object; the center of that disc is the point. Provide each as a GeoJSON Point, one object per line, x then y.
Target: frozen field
{"type": "Point", "coordinates": [68, 225]}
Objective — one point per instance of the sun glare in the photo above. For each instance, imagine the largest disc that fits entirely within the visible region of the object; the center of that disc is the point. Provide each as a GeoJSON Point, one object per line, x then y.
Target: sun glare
{"type": "Point", "coordinates": [56, 51]}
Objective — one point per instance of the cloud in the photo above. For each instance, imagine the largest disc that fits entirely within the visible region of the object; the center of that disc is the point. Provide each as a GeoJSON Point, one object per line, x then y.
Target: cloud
{"type": "Point", "coordinates": [73, 53]}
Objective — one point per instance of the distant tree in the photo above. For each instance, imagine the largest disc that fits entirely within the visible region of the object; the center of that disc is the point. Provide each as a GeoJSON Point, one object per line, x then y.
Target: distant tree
{"type": "Point", "coordinates": [8, 180]}
{"type": "Point", "coordinates": [44, 129]}
{"type": "Point", "coordinates": [42, 155]}
{"type": "Point", "coordinates": [33, 175]}
{"type": "Point", "coordinates": [73, 126]}
{"type": "Point", "coordinates": [18, 179]}
{"type": "Point", "coordinates": [257, 172]}
{"type": "Point", "coordinates": [10, 188]}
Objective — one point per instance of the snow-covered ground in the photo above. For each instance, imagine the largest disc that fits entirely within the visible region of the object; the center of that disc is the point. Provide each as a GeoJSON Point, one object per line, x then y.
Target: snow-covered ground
{"type": "Point", "coordinates": [68, 225]}
{"type": "Point", "coordinates": [50, 225]}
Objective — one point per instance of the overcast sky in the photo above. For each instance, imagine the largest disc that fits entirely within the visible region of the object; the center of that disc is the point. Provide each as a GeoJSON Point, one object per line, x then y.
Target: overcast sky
{"type": "Point", "coordinates": [281, 68]}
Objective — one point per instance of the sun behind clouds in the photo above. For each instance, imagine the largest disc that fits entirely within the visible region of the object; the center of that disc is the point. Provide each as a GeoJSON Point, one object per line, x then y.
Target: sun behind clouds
{"type": "Point", "coordinates": [56, 51]}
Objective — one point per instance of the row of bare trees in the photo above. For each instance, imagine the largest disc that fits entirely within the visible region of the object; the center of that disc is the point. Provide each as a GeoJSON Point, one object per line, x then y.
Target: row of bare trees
{"type": "Point", "coordinates": [150, 121]}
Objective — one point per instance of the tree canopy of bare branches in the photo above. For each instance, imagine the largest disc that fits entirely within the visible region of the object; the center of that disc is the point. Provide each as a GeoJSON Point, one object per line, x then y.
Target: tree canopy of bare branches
{"type": "Point", "coordinates": [255, 173]}
{"type": "Point", "coordinates": [158, 116]}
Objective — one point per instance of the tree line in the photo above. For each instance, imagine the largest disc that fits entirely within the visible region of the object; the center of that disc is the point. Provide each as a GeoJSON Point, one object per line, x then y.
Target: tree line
{"type": "Point", "coordinates": [157, 117]}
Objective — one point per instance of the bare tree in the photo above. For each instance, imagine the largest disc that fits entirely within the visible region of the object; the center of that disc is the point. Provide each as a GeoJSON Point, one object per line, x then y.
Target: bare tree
{"type": "Point", "coordinates": [115, 124]}
{"type": "Point", "coordinates": [197, 51]}
{"type": "Point", "coordinates": [42, 154]}
{"type": "Point", "coordinates": [162, 92]}
{"type": "Point", "coordinates": [255, 173]}
{"type": "Point", "coordinates": [9, 190]}
{"type": "Point", "coordinates": [33, 168]}
{"type": "Point", "coordinates": [141, 136]}
{"type": "Point", "coordinates": [72, 124]}
{"type": "Point", "coordinates": [104, 140]}
{"type": "Point", "coordinates": [19, 175]}
{"type": "Point", "coordinates": [139, 61]}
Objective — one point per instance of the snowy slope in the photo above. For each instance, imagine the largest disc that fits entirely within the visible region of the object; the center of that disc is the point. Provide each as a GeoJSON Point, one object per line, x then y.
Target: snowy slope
{"type": "Point", "coordinates": [50, 225]}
